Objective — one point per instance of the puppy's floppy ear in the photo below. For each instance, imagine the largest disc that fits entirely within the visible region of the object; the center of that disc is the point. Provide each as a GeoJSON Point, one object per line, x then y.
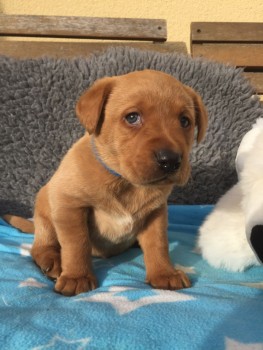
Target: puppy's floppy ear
{"type": "Point", "coordinates": [200, 114]}
{"type": "Point", "coordinates": [90, 105]}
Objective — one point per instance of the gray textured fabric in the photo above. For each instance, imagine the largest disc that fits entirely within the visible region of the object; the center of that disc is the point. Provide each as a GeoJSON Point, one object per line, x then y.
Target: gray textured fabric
{"type": "Point", "coordinates": [38, 122]}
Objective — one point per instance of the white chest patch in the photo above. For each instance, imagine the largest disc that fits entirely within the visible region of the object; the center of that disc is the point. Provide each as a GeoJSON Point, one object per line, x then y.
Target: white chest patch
{"type": "Point", "coordinates": [125, 223]}
{"type": "Point", "coordinates": [114, 227]}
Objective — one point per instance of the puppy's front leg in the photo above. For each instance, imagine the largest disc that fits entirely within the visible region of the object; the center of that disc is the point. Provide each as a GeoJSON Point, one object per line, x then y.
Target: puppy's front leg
{"type": "Point", "coordinates": [72, 232]}
{"type": "Point", "coordinates": [160, 272]}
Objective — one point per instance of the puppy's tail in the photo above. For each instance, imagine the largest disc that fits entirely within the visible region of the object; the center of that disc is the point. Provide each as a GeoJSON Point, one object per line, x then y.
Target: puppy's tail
{"type": "Point", "coordinates": [22, 224]}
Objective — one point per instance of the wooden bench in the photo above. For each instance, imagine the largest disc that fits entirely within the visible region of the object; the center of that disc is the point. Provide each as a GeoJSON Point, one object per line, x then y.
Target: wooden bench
{"type": "Point", "coordinates": [78, 36]}
{"type": "Point", "coordinates": [240, 44]}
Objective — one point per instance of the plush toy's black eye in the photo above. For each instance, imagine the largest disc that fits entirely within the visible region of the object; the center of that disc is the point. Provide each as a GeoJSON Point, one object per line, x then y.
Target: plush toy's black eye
{"type": "Point", "coordinates": [184, 121]}
{"type": "Point", "coordinates": [133, 118]}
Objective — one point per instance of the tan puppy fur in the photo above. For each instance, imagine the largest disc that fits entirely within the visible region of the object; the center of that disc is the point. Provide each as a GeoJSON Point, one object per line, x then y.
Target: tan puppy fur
{"type": "Point", "coordinates": [86, 210]}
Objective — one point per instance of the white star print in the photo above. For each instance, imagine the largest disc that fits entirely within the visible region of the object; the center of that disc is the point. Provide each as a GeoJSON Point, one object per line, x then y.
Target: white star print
{"type": "Point", "coordinates": [80, 343]}
{"type": "Point", "coordinates": [186, 269]}
{"type": "Point", "coordinates": [31, 282]}
{"type": "Point", "coordinates": [25, 249]}
{"type": "Point", "coordinates": [258, 285]}
{"type": "Point", "coordinates": [235, 345]}
{"type": "Point", "coordinates": [124, 306]}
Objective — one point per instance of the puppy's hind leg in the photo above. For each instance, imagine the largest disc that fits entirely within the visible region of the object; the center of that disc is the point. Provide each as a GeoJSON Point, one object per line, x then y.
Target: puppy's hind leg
{"type": "Point", "coordinates": [46, 249]}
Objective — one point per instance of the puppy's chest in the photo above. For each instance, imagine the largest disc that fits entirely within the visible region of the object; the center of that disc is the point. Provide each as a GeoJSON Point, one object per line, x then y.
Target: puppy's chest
{"type": "Point", "coordinates": [121, 218]}
{"type": "Point", "coordinates": [112, 226]}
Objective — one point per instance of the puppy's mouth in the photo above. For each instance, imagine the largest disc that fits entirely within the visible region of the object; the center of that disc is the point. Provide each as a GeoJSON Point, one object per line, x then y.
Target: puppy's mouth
{"type": "Point", "coordinates": [179, 178]}
{"type": "Point", "coordinates": [158, 180]}
{"type": "Point", "coordinates": [163, 180]}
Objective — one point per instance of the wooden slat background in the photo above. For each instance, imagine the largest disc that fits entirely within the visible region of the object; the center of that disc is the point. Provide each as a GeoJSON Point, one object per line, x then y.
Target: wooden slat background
{"type": "Point", "coordinates": [84, 27]}
{"type": "Point", "coordinates": [238, 44]}
{"type": "Point", "coordinates": [40, 35]}
{"type": "Point", "coordinates": [34, 49]}
{"type": "Point", "coordinates": [226, 32]}
{"type": "Point", "coordinates": [256, 80]}
{"type": "Point", "coordinates": [241, 55]}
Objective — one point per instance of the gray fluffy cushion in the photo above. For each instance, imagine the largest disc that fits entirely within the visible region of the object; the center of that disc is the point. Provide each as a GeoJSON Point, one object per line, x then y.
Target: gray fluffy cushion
{"type": "Point", "coordinates": [38, 123]}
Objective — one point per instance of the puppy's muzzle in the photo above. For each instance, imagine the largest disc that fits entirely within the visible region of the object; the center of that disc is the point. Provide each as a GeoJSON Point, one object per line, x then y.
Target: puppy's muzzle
{"type": "Point", "coordinates": [168, 160]}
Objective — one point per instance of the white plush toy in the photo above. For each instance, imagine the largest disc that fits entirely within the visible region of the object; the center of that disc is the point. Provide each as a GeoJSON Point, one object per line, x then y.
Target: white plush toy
{"type": "Point", "coordinates": [231, 237]}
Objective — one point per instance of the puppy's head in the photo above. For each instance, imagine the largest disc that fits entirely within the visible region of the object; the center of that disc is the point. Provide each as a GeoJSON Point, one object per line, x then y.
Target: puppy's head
{"type": "Point", "coordinates": [144, 125]}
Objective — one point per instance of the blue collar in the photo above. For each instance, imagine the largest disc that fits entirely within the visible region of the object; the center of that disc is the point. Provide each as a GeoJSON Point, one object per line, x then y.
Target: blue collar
{"type": "Point", "coordinates": [98, 157]}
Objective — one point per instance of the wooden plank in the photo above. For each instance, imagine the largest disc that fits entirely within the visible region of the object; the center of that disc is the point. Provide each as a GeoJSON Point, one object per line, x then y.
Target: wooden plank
{"type": "Point", "coordinates": [256, 80]}
{"type": "Point", "coordinates": [33, 49]}
{"type": "Point", "coordinates": [226, 32]}
{"type": "Point", "coordinates": [240, 55]}
{"type": "Point", "coordinates": [84, 27]}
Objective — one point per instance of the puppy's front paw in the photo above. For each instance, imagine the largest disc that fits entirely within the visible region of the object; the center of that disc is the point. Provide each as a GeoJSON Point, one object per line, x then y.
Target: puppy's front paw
{"type": "Point", "coordinates": [173, 280]}
{"type": "Point", "coordinates": [69, 286]}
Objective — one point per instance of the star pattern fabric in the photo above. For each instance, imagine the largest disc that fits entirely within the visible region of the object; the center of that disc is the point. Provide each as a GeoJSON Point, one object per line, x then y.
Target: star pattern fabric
{"type": "Point", "coordinates": [123, 305]}
{"type": "Point", "coordinates": [221, 309]}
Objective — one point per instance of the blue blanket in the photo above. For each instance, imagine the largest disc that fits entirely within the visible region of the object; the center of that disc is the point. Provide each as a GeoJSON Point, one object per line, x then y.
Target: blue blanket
{"type": "Point", "coordinates": [222, 310]}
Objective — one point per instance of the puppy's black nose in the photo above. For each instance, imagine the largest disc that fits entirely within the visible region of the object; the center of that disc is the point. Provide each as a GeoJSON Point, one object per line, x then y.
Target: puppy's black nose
{"type": "Point", "coordinates": [168, 160]}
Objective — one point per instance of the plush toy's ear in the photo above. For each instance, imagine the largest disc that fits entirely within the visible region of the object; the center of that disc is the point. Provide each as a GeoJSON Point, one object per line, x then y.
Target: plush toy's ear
{"type": "Point", "coordinates": [200, 114]}
{"type": "Point", "coordinates": [90, 106]}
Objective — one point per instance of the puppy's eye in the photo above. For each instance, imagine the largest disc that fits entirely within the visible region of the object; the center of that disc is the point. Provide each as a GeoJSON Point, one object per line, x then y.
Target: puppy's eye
{"type": "Point", "coordinates": [133, 118]}
{"type": "Point", "coordinates": [184, 121]}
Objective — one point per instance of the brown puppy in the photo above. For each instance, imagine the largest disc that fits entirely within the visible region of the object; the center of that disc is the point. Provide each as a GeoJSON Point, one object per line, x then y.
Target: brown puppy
{"type": "Point", "coordinates": [111, 188]}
